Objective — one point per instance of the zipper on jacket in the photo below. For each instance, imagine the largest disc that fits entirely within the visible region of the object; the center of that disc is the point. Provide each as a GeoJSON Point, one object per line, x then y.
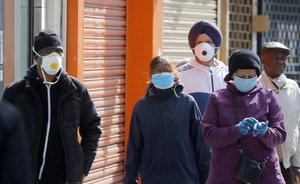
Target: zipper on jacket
{"type": "Point", "coordinates": [212, 81]}
{"type": "Point", "coordinates": [47, 132]}
{"type": "Point", "coordinates": [60, 132]}
{"type": "Point", "coordinates": [166, 138]}
{"type": "Point", "coordinates": [35, 164]}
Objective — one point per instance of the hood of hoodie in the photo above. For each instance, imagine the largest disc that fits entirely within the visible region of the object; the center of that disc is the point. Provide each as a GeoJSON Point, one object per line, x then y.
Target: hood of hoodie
{"type": "Point", "coordinates": [231, 87]}
{"type": "Point", "coordinates": [153, 93]}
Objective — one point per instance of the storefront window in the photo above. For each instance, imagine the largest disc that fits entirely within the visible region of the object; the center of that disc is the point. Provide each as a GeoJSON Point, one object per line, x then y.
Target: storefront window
{"type": "Point", "coordinates": [1, 45]}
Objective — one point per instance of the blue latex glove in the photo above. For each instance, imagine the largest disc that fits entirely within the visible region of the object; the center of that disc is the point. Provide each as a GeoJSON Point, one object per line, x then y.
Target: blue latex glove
{"type": "Point", "coordinates": [260, 128]}
{"type": "Point", "coordinates": [251, 122]}
{"type": "Point", "coordinates": [244, 126]}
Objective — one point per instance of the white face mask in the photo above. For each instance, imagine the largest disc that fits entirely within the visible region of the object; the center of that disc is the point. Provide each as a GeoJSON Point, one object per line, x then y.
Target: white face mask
{"type": "Point", "coordinates": [204, 51]}
{"type": "Point", "coordinates": [52, 63]}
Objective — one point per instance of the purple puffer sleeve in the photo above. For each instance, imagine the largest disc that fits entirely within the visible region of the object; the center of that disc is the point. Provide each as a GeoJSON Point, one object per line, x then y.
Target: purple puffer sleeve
{"type": "Point", "coordinates": [215, 136]}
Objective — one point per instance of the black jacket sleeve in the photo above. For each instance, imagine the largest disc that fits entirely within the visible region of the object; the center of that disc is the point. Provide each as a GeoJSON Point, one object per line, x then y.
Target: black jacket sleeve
{"type": "Point", "coordinates": [14, 156]}
{"type": "Point", "coordinates": [202, 150]}
{"type": "Point", "coordinates": [11, 91]}
{"type": "Point", "coordinates": [89, 130]}
{"type": "Point", "coordinates": [134, 150]}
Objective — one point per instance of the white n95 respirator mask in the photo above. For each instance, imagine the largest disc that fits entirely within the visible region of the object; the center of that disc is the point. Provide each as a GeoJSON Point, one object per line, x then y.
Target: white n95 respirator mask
{"type": "Point", "coordinates": [52, 63]}
{"type": "Point", "coordinates": [204, 51]}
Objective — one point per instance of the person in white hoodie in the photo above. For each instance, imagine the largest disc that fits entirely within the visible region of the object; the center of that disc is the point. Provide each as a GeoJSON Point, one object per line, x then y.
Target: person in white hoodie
{"type": "Point", "coordinates": [203, 74]}
{"type": "Point", "coordinates": [274, 59]}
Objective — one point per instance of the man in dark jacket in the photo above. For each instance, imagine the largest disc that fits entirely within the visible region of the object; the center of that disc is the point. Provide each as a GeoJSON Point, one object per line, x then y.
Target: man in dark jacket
{"type": "Point", "coordinates": [14, 166]}
{"type": "Point", "coordinates": [55, 105]}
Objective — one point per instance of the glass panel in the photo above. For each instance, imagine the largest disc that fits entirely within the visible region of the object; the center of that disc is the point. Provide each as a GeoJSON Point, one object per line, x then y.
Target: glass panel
{"type": "Point", "coordinates": [23, 47]}
{"type": "Point", "coordinates": [21, 43]}
{"type": "Point", "coordinates": [284, 20]}
{"type": "Point", "coordinates": [1, 45]}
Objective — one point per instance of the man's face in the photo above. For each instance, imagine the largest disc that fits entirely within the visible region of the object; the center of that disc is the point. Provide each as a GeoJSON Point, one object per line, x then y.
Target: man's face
{"type": "Point", "coordinates": [274, 61]}
{"type": "Point", "coordinates": [204, 38]}
{"type": "Point", "coordinates": [45, 53]}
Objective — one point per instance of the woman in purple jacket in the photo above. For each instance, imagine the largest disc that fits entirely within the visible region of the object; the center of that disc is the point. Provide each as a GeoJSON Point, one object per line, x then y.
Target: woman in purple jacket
{"type": "Point", "coordinates": [243, 114]}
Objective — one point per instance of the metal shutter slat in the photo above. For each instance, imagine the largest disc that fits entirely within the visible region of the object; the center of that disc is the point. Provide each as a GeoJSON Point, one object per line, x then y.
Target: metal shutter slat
{"type": "Point", "coordinates": [110, 3]}
{"type": "Point", "coordinates": [107, 92]}
{"type": "Point", "coordinates": [115, 119]}
{"type": "Point", "coordinates": [104, 32]}
{"type": "Point", "coordinates": [117, 178]}
{"type": "Point", "coordinates": [110, 150]}
{"type": "Point", "coordinates": [101, 62]}
{"type": "Point", "coordinates": [109, 71]}
{"type": "Point", "coordinates": [104, 76]}
{"type": "Point", "coordinates": [94, 12]}
{"type": "Point", "coordinates": [95, 22]}
{"type": "Point", "coordinates": [100, 53]}
{"type": "Point", "coordinates": [113, 139]}
{"type": "Point", "coordinates": [93, 43]}
{"type": "Point", "coordinates": [117, 109]}
{"type": "Point", "coordinates": [108, 160]}
{"type": "Point", "coordinates": [108, 102]}
{"type": "Point", "coordinates": [105, 171]}
{"type": "Point", "coordinates": [104, 82]}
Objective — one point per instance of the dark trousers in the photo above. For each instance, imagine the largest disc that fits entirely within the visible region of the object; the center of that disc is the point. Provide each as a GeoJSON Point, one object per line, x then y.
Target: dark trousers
{"type": "Point", "coordinates": [288, 174]}
{"type": "Point", "coordinates": [46, 182]}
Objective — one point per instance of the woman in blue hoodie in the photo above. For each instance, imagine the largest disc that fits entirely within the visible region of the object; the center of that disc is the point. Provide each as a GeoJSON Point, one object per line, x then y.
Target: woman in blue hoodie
{"type": "Point", "coordinates": [165, 139]}
{"type": "Point", "coordinates": [243, 117]}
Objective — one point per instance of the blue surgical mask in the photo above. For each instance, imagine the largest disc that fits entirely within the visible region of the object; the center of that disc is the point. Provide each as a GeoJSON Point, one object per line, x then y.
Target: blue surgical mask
{"type": "Point", "coordinates": [163, 80]}
{"type": "Point", "coordinates": [244, 85]}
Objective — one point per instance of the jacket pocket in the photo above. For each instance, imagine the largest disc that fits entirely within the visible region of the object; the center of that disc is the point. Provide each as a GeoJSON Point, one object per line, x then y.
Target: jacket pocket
{"type": "Point", "coordinates": [144, 169]}
{"type": "Point", "coordinates": [75, 159]}
{"type": "Point", "coordinates": [70, 134]}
